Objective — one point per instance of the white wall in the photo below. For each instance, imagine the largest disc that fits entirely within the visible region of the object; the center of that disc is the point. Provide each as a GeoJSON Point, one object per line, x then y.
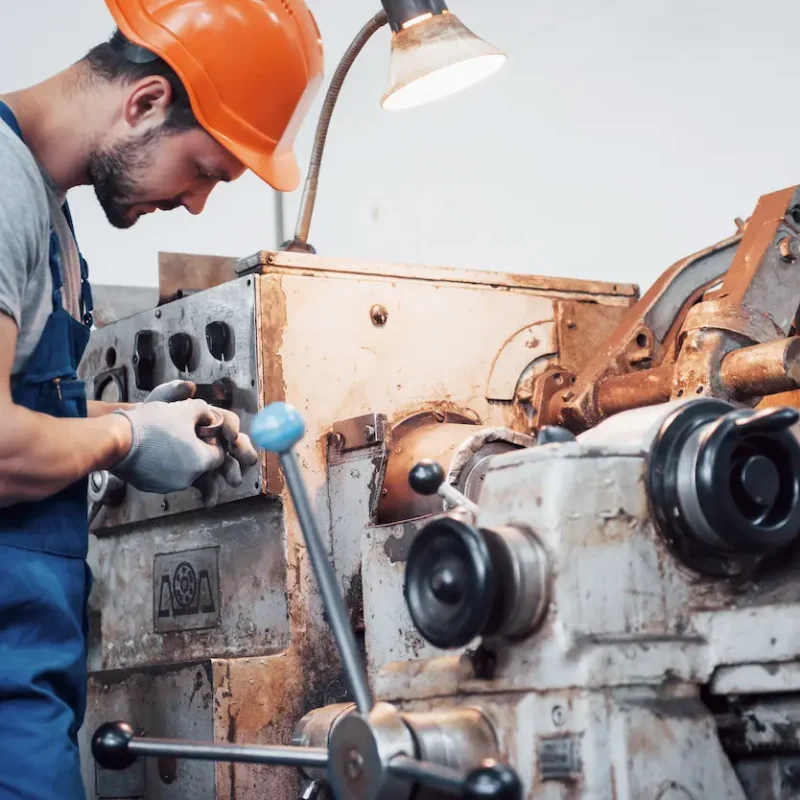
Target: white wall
{"type": "Point", "coordinates": [621, 136]}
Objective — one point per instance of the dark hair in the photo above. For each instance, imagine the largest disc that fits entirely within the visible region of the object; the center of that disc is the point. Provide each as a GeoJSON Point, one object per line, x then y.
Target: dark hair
{"type": "Point", "coordinates": [119, 59]}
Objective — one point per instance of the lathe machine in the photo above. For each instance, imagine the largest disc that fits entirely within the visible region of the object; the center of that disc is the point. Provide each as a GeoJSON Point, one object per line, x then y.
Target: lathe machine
{"type": "Point", "coordinates": [554, 528]}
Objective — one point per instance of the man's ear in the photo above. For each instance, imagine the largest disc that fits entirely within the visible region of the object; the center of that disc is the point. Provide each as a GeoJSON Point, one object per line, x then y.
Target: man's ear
{"type": "Point", "coordinates": [148, 102]}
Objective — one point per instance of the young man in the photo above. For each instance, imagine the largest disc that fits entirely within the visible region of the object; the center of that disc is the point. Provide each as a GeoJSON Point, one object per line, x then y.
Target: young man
{"type": "Point", "coordinates": [186, 94]}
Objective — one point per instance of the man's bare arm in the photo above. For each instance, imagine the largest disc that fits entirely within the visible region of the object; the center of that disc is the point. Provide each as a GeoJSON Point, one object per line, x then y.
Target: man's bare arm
{"type": "Point", "coordinates": [96, 408]}
{"type": "Point", "coordinates": [40, 454]}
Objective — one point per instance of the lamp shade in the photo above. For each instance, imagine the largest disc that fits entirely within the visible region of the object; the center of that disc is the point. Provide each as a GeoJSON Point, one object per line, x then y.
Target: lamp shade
{"type": "Point", "coordinates": [435, 56]}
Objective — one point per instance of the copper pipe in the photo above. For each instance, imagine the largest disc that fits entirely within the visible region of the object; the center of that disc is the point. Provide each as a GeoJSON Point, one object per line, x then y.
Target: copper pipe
{"type": "Point", "coordinates": [633, 390]}
{"type": "Point", "coordinates": [300, 241]}
{"type": "Point", "coordinates": [762, 369]}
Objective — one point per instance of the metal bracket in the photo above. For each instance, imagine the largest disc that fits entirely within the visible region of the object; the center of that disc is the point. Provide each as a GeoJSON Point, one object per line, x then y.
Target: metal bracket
{"type": "Point", "coordinates": [358, 432]}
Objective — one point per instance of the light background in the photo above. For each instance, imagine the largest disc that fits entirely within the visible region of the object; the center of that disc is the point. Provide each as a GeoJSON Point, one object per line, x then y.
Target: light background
{"type": "Point", "coordinates": [621, 136]}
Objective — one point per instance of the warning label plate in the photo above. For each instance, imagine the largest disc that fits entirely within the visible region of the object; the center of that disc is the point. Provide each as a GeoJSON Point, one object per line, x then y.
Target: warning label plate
{"type": "Point", "coordinates": [186, 590]}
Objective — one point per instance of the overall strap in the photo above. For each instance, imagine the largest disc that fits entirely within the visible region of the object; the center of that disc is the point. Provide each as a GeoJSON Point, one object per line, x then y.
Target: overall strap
{"type": "Point", "coordinates": [87, 302]}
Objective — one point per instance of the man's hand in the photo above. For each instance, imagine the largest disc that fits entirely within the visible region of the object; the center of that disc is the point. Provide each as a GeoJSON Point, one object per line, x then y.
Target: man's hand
{"type": "Point", "coordinates": [172, 392]}
{"type": "Point", "coordinates": [240, 454]}
{"type": "Point", "coordinates": [166, 454]}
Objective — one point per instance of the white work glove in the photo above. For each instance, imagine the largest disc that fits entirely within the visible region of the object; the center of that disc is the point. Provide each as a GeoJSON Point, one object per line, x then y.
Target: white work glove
{"type": "Point", "coordinates": [166, 454]}
{"type": "Point", "coordinates": [240, 454]}
{"type": "Point", "coordinates": [172, 392]}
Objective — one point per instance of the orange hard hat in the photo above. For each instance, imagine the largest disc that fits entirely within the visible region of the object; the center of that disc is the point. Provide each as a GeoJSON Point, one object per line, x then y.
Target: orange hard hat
{"type": "Point", "coordinates": [251, 69]}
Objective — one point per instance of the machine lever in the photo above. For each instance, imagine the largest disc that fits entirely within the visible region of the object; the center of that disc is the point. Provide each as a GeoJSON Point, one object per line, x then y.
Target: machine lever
{"type": "Point", "coordinates": [768, 420]}
{"type": "Point", "coordinates": [277, 429]}
{"type": "Point", "coordinates": [491, 780]}
{"type": "Point", "coordinates": [427, 478]}
{"type": "Point", "coordinates": [115, 747]}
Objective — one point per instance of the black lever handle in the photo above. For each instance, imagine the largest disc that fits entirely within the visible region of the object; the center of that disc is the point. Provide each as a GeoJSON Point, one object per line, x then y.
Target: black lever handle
{"type": "Point", "coordinates": [115, 747]}
{"type": "Point", "coordinates": [491, 781]}
{"type": "Point", "coordinates": [427, 478]}
{"type": "Point", "coordinates": [768, 420]}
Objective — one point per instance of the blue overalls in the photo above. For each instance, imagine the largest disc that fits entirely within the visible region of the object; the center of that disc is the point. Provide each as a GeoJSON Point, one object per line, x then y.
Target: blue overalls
{"type": "Point", "coordinates": [44, 579]}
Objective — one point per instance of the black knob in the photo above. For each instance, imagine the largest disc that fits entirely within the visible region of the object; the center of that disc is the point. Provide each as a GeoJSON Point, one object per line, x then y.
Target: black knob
{"type": "Point", "coordinates": [181, 349]}
{"type": "Point", "coordinates": [725, 484]}
{"type": "Point", "coordinates": [450, 583]}
{"type": "Point", "coordinates": [759, 481]}
{"type": "Point", "coordinates": [493, 780]}
{"type": "Point", "coordinates": [426, 477]}
{"type": "Point", "coordinates": [552, 433]}
{"type": "Point", "coordinates": [110, 746]}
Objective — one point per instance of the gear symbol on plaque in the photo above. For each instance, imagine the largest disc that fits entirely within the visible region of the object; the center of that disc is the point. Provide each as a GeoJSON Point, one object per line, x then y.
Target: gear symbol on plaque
{"type": "Point", "coordinates": [184, 585]}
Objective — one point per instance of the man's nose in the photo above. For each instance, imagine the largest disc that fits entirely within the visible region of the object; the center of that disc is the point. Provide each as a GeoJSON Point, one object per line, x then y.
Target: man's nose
{"type": "Point", "coordinates": [195, 201]}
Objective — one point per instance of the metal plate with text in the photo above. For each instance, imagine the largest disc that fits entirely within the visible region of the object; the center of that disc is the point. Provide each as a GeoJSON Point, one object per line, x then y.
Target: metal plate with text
{"type": "Point", "coordinates": [186, 590]}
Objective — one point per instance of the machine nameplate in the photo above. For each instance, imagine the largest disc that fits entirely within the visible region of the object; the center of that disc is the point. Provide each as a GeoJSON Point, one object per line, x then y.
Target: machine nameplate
{"type": "Point", "coordinates": [559, 758]}
{"type": "Point", "coordinates": [186, 590]}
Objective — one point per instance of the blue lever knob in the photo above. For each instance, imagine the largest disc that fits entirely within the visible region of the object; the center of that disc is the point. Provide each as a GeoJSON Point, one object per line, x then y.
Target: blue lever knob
{"type": "Point", "coordinates": [278, 428]}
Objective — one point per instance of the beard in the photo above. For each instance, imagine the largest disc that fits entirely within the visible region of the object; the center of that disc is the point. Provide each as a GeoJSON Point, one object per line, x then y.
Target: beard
{"type": "Point", "coordinates": [116, 173]}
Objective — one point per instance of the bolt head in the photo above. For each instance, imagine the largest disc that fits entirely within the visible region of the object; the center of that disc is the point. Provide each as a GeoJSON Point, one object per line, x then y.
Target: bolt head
{"type": "Point", "coordinates": [370, 433]}
{"type": "Point", "coordinates": [337, 440]}
{"type": "Point", "coordinates": [158, 313]}
{"type": "Point", "coordinates": [164, 505]}
{"type": "Point", "coordinates": [558, 716]}
{"type": "Point", "coordinates": [789, 248]}
{"type": "Point", "coordinates": [379, 315]}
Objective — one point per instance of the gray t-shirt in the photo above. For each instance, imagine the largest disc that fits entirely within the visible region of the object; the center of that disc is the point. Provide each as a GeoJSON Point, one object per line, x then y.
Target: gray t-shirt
{"type": "Point", "coordinates": [29, 205]}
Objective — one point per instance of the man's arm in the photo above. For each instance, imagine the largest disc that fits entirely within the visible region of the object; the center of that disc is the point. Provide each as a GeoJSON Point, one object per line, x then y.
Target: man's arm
{"type": "Point", "coordinates": [40, 454]}
{"type": "Point", "coordinates": [97, 409]}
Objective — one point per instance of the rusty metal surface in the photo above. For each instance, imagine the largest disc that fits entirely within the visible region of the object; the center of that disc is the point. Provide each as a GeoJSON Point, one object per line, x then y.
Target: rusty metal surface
{"type": "Point", "coordinates": [621, 392]}
{"type": "Point", "coordinates": [181, 274]}
{"type": "Point", "coordinates": [762, 369]}
{"type": "Point", "coordinates": [276, 262]}
{"type": "Point", "coordinates": [436, 441]}
{"type": "Point", "coordinates": [533, 342]}
{"type": "Point", "coordinates": [645, 334]}
{"type": "Point", "coordinates": [584, 327]}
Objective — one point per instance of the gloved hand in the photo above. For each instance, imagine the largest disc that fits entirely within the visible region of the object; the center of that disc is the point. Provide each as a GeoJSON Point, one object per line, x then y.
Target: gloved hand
{"type": "Point", "coordinates": [240, 454]}
{"type": "Point", "coordinates": [166, 454]}
{"type": "Point", "coordinates": [172, 392]}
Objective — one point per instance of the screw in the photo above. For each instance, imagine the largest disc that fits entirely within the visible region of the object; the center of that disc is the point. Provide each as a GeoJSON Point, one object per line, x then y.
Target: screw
{"type": "Point", "coordinates": [97, 481]}
{"type": "Point", "coordinates": [158, 313]}
{"type": "Point", "coordinates": [355, 765]}
{"type": "Point", "coordinates": [164, 505]}
{"type": "Point", "coordinates": [440, 417]}
{"type": "Point", "coordinates": [270, 259]}
{"type": "Point", "coordinates": [571, 324]}
{"type": "Point", "coordinates": [369, 433]}
{"type": "Point", "coordinates": [789, 248]}
{"type": "Point", "coordinates": [378, 314]}
{"type": "Point", "coordinates": [558, 716]}
{"type": "Point", "coordinates": [337, 440]}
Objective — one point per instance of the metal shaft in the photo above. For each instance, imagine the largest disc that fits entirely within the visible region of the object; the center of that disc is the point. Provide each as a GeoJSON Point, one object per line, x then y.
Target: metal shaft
{"type": "Point", "coordinates": [434, 776]}
{"type": "Point", "coordinates": [310, 191]}
{"type": "Point", "coordinates": [334, 604]}
{"type": "Point", "coordinates": [451, 495]}
{"type": "Point", "coordinates": [762, 369]}
{"type": "Point", "coordinates": [311, 757]}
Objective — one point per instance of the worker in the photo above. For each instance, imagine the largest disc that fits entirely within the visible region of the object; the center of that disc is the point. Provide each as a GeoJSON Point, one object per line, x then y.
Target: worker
{"type": "Point", "coordinates": [184, 95]}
